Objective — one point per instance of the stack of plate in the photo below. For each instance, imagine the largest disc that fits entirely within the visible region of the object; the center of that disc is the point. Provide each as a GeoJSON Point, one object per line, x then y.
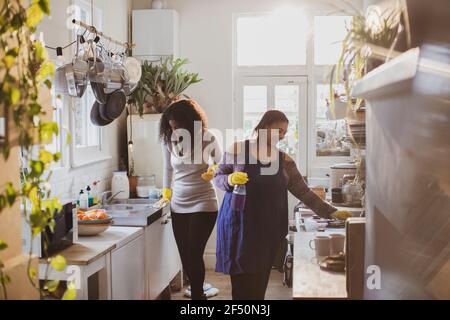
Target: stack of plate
{"type": "Point", "coordinates": [357, 132]}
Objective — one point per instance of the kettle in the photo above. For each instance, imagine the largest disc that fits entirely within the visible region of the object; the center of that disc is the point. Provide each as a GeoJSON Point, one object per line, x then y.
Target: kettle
{"type": "Point", "coordinates": [120, 185]}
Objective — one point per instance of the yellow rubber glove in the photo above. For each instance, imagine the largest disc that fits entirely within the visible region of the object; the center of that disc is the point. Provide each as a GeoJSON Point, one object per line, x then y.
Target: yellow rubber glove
{"type": "Point", "coordinates": [341, 215]}
{"type": "Point", "coordinates": [237, 178]}
{"type": "Point", "coordinates": [166, 196]}
{"type": "Point", "coordinates": [209, 174]}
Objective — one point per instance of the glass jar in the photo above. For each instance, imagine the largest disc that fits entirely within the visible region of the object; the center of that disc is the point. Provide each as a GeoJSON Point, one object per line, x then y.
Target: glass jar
{"type": "Point", "coordinates": [146, 181]}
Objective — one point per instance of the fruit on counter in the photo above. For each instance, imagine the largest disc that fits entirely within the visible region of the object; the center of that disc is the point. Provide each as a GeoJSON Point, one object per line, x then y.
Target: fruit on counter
{"type": "Point", "coordinates": [341, 215]}
{"type": "Point", "coordinates": [97, 214]}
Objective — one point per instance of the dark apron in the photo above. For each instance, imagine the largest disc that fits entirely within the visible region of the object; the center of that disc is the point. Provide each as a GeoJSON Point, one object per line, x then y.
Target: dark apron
{"type": "Point", "coordinates": [247, 240]}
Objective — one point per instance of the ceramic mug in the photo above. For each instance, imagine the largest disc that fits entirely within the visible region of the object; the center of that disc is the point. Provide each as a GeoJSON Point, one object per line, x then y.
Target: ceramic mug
{"type": "Point", "coordinates": [337, 243]}
{"type": "Point", "coordinates": [322, 245]}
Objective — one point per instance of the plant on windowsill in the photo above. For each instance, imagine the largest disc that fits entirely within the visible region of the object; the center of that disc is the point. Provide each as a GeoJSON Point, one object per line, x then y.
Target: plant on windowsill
{"type": "Point", "coordinates": [24, 77]}
{"type": "Point", "coordinates": [370, 39]}
{"type": "Point", "coordinates": [161, 83]}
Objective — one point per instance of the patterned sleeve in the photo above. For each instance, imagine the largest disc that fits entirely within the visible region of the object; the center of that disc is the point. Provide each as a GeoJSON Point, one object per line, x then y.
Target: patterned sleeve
{"type": "Point", "coordinates": [298, 187]}
{"type": "Point", "coordinates": [226, 167]}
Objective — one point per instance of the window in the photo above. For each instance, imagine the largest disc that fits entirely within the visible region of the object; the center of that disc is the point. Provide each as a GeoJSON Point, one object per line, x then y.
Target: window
{"type": "Point", "coordinates": [330, 134]}
{"type": "Point", "coordinates": [86, 143]}
{"type": "Point", "coordinates": [272, 52]}
{"type": "Point", "coordinates": [329, 31]}
{"type": "Point", "coordinates": [57, 145]}
{"type": "Point", "coordinates": [271, 40]}
{"type": "Point", "coordinates": [287, 94]}
{"type": "Point", "coordinates": [86, 134]}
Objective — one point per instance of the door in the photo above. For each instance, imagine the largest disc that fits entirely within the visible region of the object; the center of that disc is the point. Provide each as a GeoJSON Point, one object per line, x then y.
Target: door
{"type": "Point", "coordinates": [257, 94]}
{"type": "Point", "coordinates": [127, 270]}
{"type": "Point", "coordinates": [162, 258]}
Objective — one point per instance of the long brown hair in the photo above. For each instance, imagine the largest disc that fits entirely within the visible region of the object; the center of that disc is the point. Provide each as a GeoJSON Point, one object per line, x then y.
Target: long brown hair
{"type": "Point", "coordinates": [270, 117]}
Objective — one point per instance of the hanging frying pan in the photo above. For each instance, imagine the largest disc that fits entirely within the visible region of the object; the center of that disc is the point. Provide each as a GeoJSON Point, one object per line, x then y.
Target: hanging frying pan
{"type": "Point", "coordinates": [96, 118]}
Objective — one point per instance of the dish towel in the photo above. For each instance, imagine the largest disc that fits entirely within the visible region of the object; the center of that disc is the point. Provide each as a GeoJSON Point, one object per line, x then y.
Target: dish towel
{"type": "Point", "coordinates": [209, 290]}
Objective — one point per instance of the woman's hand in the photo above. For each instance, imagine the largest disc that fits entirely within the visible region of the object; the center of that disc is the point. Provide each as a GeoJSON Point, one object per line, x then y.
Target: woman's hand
{"type": "Point", "coordinates": [341, 215]}
{"type": "Point", "coordinates": [237, 178]}
{"type": "Point", "coordinates": [166, 196]}
{"type": "Point", "coordinates": [209, 174]}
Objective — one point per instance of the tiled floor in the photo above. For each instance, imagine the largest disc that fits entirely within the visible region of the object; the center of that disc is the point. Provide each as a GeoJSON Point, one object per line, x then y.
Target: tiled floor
{"type": "Point", "coordinates": [275, 290]}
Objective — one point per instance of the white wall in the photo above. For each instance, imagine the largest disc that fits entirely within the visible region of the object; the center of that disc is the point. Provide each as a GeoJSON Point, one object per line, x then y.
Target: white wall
{"type": "Point", "coordinates": [206, 40]}
{"type": "Point", "coordinates": [67, 182]}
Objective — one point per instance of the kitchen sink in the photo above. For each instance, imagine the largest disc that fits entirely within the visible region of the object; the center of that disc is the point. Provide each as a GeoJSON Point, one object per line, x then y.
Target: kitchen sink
{"type": "Point", "coordinates": [132, 212]}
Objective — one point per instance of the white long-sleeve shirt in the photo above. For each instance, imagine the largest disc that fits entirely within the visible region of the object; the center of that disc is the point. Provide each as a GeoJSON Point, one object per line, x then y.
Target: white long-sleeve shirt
{"type": "Point", "coordinates": [190, 193]}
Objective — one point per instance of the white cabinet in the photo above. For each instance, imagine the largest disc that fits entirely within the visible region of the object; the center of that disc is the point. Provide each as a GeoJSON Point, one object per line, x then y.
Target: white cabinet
{"type": "Point", "coordinates": [127, 271]}
{"type": "Point", "coordinates": [162, 258]}
{"type": "Point", "coordinates": [155, 33]}
{"type": "Point", "coordinates": [147, 153]}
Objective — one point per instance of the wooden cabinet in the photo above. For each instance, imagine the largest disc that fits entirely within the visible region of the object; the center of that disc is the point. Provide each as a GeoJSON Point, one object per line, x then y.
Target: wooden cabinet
{"type": "Point", "coordinates": [127, 271]}
{"type": "Point", "coordinates": [162, 261]}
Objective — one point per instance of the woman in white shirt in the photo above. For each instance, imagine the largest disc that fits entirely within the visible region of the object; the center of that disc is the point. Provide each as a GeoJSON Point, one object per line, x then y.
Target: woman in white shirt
{"type": "Point", "coordinates": [190, 154]}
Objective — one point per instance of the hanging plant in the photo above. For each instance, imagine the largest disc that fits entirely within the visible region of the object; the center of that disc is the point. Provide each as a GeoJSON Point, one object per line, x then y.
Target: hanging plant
{"type": "Point", "coordinates": [374, 28]}
{"type": "Point", "coordinates": [24, 76]}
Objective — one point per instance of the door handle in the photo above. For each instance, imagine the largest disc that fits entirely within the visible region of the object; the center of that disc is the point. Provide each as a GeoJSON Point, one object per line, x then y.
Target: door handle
{"type": "Point", "coordinates": [165, 222]}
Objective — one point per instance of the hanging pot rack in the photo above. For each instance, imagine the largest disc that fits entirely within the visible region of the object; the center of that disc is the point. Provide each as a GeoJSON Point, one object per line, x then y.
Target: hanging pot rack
{"type": "Point", "coordinates": [94, 30]}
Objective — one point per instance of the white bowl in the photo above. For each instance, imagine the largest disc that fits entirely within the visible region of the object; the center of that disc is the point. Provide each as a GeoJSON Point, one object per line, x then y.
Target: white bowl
{"type": "Point", "coordinates": [92, 229]}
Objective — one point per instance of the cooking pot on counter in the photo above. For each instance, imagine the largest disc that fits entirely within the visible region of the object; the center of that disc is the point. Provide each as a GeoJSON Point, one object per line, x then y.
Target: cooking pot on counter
{"type": "Point", "coordinates": [338, 171]}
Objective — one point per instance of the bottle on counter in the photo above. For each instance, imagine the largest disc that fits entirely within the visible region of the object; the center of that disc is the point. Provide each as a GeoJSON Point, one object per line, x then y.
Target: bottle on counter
{"type": "Point", "coordinates": [94, 192]}
{"type": "Point", "coordinates": [90, 197]}
{"type": "Point", "coordinates": [238, 197]}
{"type": "Point", "coordinates": [83, 200]}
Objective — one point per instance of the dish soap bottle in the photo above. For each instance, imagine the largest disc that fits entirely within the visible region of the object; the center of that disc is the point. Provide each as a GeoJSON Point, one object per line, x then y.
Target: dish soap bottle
{"type": "Point", "coordinates": [238, 197]}
{"type": "Point", "coordinates": [90, 197]}
{"type": "Point", "coordinates": [83, 200]}
{"type": "Point", "coordinates": [94, 192]}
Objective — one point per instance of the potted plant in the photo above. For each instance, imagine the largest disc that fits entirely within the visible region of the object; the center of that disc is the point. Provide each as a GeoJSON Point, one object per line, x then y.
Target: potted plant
{"type": "Point", "coordinates": [370, 41]}
{"type": "Point", "coordinates": [161, 83]}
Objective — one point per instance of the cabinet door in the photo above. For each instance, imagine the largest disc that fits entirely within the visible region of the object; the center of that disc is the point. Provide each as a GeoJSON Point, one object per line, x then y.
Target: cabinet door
{"type": "Point", "coordinates": [162, 258]}
{"type": "Point", "coordinates": [127, 271]}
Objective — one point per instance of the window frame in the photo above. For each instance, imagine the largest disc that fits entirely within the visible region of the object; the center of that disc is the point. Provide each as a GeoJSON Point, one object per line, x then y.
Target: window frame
{"type": "Point", "coordinates": [81, 156]}
{"type": "Point", "coordinates": [316, 167]}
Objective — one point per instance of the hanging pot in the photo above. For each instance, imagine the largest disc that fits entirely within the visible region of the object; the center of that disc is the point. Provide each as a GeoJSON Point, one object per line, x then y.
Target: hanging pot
{"type": "Point", "coordinates": [96, 118]}
{"type": "Point", "coordinates": [114, 106]}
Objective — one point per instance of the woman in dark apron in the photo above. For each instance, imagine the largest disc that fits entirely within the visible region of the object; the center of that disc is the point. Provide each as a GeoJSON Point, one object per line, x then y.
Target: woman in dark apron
{"type": "Point", "coordinates": [248, 237]}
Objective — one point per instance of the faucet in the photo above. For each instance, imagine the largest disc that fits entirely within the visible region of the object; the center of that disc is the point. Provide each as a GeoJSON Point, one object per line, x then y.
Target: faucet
{"type": "Point", "coordinates": [104, 199]}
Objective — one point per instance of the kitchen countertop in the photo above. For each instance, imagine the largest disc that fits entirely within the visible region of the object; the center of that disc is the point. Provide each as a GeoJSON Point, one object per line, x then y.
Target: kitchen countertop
{"type": "Point", "coordinates": [309, 281]}
{"type": "Point", "coordinates": [89, 249]}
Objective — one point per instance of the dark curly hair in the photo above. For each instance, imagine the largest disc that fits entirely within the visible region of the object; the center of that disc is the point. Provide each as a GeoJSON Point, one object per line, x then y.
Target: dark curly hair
{"type": "Point", "coordinates": [185, 112]}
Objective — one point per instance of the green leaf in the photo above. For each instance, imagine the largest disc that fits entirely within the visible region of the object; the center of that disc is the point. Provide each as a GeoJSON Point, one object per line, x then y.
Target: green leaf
{"type": "Point", "coordinates": [13, 52]}
{"type": "Point", "coordinates": [3, 245]}
{"type": "Point", "coordinates": [6, 149]}
{"type": "Point", "coordinates": [47, 70]}
{"type": "Point", "coordinates": [57, 156]}
{"type": "Point", "coordinates": [68, 138]}
{"type": "Point", "coordinates": [48, 83]}
{"type": "Point", "coordinates": [34, 15]}
{"type": "Point", "coordinates": [15, 95]}
{"type": "Point", "coordinates": [10, 194]}
{"type": "Point", "coordinates": [35, 109]}
{"type": "Point", "coordinates": [37, 168]}
{"type": "Point", "coordinates": [32, 272]}
{"type": "Point", "coordinates": [71, 292]}
{"type": "Point", "coordinates": [2, 202]}
{"type": "Point", "coordinates": [51, 285]}
{"type": "Point", "coordinates": [58, 263]}
{"type": "Point", "coordinates": [45, 156]}
{"type": "Point", "coordinates": [45, 6]}
{"type": "Point", "coordinates": [9, 61]}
